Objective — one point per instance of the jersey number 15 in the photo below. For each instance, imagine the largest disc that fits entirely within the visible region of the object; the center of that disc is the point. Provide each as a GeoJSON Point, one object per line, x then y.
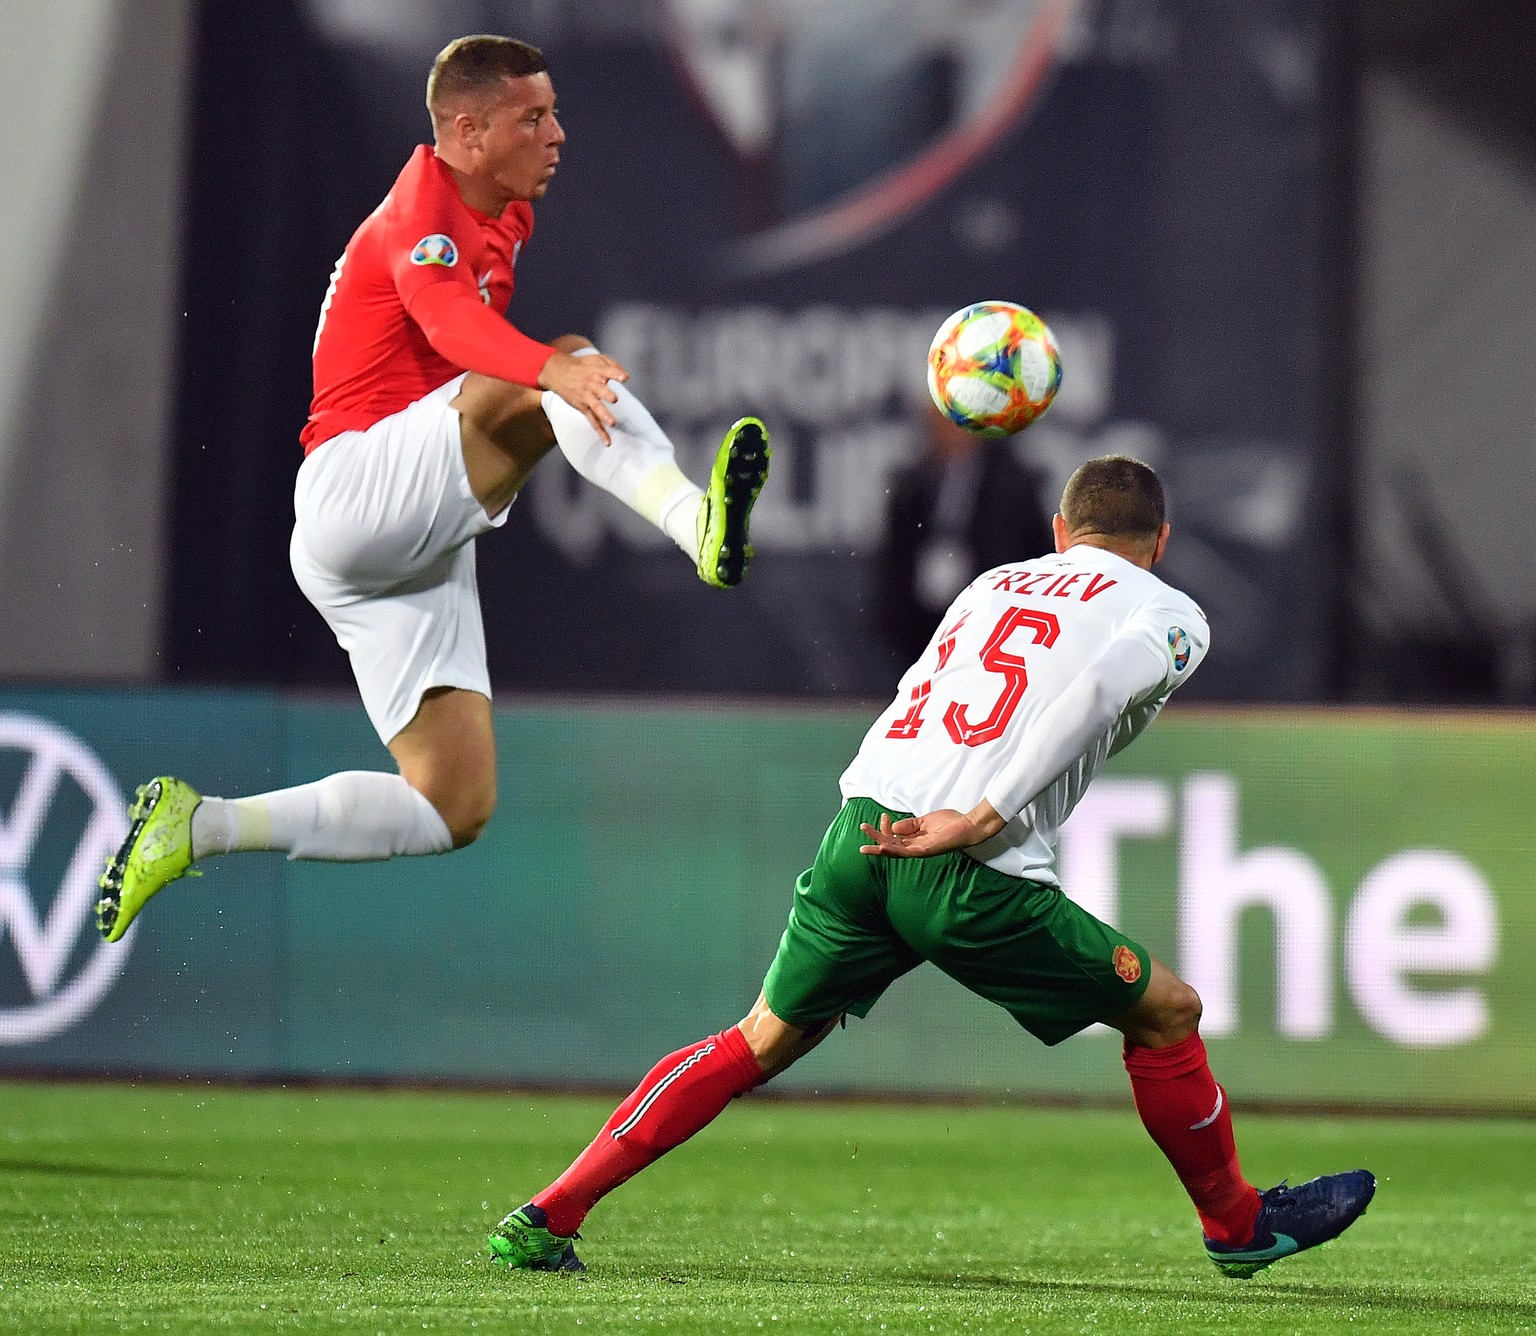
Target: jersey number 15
{"type": "Point", "coordinates": [995, 659]}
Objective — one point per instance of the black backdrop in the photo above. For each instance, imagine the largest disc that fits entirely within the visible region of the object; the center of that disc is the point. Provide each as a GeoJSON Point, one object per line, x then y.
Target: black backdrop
{"type": "Point", "coordinates": [1164, 192]}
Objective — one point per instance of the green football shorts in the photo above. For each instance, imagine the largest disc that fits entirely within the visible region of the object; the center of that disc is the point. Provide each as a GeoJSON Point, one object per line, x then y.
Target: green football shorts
{"type": "Point", "coordinates": [859, 922]}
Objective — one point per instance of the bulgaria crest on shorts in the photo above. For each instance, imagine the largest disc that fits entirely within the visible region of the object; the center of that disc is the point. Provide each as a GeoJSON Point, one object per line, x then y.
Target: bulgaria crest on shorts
{"type": "Point", "coordinates": [1127, 964]}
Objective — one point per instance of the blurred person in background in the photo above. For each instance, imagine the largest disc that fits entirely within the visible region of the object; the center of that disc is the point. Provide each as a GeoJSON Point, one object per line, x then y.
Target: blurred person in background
{"type": "Point", "coordinates": [430, 411]}
{"type": "Point", "coordinates": [1045, 668]}
{"type": "Point", "coordinates": [965, 506]}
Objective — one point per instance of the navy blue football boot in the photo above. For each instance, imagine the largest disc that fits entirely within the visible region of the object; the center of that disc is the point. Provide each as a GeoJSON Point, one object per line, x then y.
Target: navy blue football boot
{"type": "Point", "coordinates": [1291, 1220]}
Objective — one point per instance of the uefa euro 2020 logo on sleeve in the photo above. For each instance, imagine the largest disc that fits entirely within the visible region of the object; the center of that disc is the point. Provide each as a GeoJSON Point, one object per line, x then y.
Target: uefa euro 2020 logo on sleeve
{"type": "Point", "coordinates": [61, 814]}
{"type": "Point", "coordinates": [436, 249]}
{"type": "Point", "coordinates": [1178, 646]}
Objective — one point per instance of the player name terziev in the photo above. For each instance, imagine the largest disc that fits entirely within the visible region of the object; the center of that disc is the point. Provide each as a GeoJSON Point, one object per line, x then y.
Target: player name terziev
{"type": "Point", "coordinates": [1057, 584]}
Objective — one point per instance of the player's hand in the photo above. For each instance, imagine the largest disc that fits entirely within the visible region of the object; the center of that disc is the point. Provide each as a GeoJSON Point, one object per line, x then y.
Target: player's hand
{"type": "Point", "coordinates": [583, 383]}
{"type": "Point", "coordinates": [934, 833]}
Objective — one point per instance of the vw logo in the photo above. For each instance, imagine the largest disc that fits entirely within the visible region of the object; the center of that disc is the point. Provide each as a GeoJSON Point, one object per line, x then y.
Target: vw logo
{"type": "Point", "coordinates": [66, 816]}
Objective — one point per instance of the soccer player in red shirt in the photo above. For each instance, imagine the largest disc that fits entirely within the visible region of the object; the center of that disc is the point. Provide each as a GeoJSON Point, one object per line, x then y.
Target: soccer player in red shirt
{"type": "Point", "coordinates": [430, 411]}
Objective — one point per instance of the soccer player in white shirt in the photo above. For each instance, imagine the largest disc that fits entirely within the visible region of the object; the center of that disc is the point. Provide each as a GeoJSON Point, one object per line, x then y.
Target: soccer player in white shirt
{"type": "Point", "coordinates": [944, 851]}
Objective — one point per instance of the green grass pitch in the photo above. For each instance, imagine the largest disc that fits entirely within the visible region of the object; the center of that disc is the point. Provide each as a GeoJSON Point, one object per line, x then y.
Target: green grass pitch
{"type": "Point", "coordinates": [196, 1208]}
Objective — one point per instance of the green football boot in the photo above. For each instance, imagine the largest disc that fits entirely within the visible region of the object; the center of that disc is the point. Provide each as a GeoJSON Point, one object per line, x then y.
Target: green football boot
{"type": "Point", "coordinates": [741, 468]}
{"type": "Point", "coordinates": [157, 850]}
{"type": "Point", "coordinates": [524, 1240]}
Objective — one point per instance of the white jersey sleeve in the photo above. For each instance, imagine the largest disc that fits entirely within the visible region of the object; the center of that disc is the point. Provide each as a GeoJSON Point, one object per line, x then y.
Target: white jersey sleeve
{"type": "Point", "coordinates": [1038, 673]}
{"type": "Point", "coordinates": [1175, 630]}
{"type": "Point", "coordinates": [1088, 708]}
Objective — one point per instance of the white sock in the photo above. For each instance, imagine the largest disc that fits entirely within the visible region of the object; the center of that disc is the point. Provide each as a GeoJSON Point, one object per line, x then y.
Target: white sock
{"type": "Point", "coordinates": [639, 467]}
{"type": "Point", "coordinates": [356, 816]}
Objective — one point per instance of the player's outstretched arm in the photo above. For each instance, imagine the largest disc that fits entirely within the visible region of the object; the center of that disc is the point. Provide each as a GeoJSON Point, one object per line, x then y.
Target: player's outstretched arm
{"type": "Point", "coordinates": [1127, 670]}
{"type": "Point", "coordinates": [469, 334]}
{"type": "Point", "coordinates": [933, 833]}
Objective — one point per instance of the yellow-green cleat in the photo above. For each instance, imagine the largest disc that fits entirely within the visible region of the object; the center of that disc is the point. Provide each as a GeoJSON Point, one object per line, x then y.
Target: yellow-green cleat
{"type": "Point", "coordinates": [524, 1240]}
{"type": "Point", "coordinates": [157, 850]}
{"type": "Point", "coordinates": [741, 468]}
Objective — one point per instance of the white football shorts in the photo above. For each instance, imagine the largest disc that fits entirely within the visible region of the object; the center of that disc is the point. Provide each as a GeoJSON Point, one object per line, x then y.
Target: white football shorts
{"type": "Point", "coordinates": [383, 546]}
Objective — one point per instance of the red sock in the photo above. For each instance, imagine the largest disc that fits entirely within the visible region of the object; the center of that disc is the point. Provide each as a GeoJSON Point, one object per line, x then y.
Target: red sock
{"type": "Point", "coordinates": [1187, 1115]}
{"type": "Point", "coordinates": [682, 1093]}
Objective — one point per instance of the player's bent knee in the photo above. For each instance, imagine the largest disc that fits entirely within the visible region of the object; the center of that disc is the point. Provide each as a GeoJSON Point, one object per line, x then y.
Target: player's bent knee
{"type": "Point", "coordinates": [1187, 1008]}
{"type": "Point", "coordinates": [468, 820]}
{"type": "Point", "coordinates": [466, 833]}
{"type": "Point", "coordinates": [1177, 1013]}
{"type": "Point", "coordinates": [465, 809]}
{"type": "Point", "coordinates": [1168, 1013]}
{"type": "Point", "coordinates": [771, 1040]}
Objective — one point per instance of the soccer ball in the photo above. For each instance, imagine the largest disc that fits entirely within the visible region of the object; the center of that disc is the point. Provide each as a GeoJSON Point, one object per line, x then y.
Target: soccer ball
{"type": "Point", "coordinates": [993, 368]}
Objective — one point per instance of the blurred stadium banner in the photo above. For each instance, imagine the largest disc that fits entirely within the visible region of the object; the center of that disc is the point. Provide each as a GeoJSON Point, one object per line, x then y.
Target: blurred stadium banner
{"type": "Point", "coordinates": [1242, 219]}
{"type": "Point", "coordinates": [768, 207]}
{"type": "Point", "coordinates": [1357, 937]}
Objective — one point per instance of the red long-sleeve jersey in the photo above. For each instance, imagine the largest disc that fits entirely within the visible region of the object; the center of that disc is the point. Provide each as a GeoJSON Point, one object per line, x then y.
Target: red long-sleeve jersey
{"type": "Point", "coordinates": [416, 299]}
